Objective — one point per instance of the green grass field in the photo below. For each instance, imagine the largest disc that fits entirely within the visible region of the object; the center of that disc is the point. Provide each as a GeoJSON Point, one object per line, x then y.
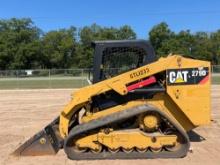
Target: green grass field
{"type": "Point", "coordinates": [42, 83]}
{"type": "Point", "coordinates": [216, 80]}
{"type": "Point", "coordinates": [54, 82]}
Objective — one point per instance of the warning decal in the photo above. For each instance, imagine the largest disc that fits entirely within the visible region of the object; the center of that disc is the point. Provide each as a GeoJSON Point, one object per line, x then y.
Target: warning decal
{"type": "Point", "coordinates": [187, 76]}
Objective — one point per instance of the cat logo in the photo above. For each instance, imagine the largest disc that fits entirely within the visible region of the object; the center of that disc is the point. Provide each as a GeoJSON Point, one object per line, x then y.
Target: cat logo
{"type": "Point", "coordinates": [178, 76]}
{"type": "Point", "coordinates": [187, 76]}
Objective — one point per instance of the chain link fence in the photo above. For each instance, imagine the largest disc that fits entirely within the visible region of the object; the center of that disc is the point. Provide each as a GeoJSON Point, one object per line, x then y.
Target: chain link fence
{"type": "Point", "coordinates": [48, 78]}
{"type": "Point", "coordinates": [216, 74]}
{"type": "Point", "coordinates": [58, 78]}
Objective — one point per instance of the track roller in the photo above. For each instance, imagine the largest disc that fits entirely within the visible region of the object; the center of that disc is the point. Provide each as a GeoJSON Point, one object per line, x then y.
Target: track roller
{"type": "Point", "coordinates": [141, 150]}
{"type": "Point", "coordinates": [156, 150]}
{"type": "Point", "coordinates": [127, 150]}
{"type": "Point", "coordinates": [97, 150]}
{"type": "Point", "coordinates": [179, 142]}
{"type": "Point", "coordinates": [114, 150]}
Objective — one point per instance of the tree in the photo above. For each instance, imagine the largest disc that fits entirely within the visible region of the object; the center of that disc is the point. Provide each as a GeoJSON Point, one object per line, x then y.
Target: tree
{"type": "Point", "coordinates": [59, 48]}
{"type": "Point", "coordinates": [180, 43]}
{"type": "Point", "coordinates": [24, 46]}
{"type": "Point", "coordinates": [95, 32]}
{"type": "Point", "coordinates": [158, 35]}
{"type": "Point", "coordinates": [200, 45]}
{"type": "Point", "coordinates": [125, 33]}
{"type": "Point", "coordinates": [215, 40]}
{"type": "Point", "coordinates": [19, 44]}
{"type": "Point", "coordinates": [202, 48]}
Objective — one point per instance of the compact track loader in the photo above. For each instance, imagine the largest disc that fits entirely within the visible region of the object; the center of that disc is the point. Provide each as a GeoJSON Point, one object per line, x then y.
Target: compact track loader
{"type": "Point", "coordinates": [136, 107]}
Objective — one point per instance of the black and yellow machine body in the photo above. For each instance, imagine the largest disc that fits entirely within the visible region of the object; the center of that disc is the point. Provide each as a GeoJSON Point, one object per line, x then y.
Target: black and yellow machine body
{"type": "Point", "coordinates": [144, 112]}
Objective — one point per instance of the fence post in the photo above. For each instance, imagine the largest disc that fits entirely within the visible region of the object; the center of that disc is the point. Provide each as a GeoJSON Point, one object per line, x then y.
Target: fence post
{"type": "Point", "coordinates": [82, 77]}
{"type": "Point", "coordinates": [17, 78]}
{"type": "Point", "coordinates": [49, 79]}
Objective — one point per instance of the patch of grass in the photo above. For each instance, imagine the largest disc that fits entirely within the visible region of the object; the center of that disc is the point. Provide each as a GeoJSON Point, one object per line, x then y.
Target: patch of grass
{"type": "Point", "coordinates": [54, 82]}
{"type": "Point", "coordinates": [42, 83]}
{"type": "Point", "coordinates": [216, 80]}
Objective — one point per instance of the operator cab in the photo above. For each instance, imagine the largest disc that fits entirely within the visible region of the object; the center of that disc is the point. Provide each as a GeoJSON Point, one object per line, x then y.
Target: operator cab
{"type": "Point", "coordinates": [115, 57]}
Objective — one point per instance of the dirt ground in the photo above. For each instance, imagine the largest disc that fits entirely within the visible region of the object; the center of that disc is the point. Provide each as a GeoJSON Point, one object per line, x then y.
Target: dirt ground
{"type": "Point", "coordinates": [25, 112]}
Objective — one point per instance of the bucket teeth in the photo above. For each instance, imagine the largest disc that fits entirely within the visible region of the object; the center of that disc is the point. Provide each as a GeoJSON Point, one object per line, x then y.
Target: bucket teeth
{"type": "Point", "coordinates": [42, 143]}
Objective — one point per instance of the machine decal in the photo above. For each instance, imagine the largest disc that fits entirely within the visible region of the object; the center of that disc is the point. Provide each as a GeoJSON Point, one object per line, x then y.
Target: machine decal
{"type": "Point", "coordinates": [139, 73]}
{"type": "Point", "coordinates": [187, 76]}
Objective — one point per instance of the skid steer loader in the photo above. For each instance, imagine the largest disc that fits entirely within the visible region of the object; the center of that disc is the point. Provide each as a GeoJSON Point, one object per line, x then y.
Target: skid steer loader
{"type": "Point", "coordinates": [136, 107]}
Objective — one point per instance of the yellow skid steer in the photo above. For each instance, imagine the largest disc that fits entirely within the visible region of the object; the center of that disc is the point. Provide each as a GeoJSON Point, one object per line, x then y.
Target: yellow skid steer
{"type": "Point", "coordinates": [136, 107]}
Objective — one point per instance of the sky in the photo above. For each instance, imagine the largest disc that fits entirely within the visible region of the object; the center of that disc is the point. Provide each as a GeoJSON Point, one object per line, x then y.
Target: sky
{"type": "Point", "coordinates": [141, 15]}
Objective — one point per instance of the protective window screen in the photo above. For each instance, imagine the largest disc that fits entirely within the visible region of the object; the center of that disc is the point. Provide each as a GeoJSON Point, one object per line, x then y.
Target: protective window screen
{"type": "Point", "coordinates": [117, 60]}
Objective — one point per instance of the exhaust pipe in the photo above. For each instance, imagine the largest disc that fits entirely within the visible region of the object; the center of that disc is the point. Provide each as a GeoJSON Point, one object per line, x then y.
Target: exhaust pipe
{"type": "Point", "coordinates": [45, 142]}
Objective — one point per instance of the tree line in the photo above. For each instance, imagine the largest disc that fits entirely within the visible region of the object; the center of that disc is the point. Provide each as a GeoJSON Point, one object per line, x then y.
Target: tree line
{"type": "Point", "coordinates": [23, 45]}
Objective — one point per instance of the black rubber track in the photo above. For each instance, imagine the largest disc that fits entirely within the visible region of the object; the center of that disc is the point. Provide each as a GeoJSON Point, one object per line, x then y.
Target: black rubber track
{"type": "Point", "coordinates": [86, 128]}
